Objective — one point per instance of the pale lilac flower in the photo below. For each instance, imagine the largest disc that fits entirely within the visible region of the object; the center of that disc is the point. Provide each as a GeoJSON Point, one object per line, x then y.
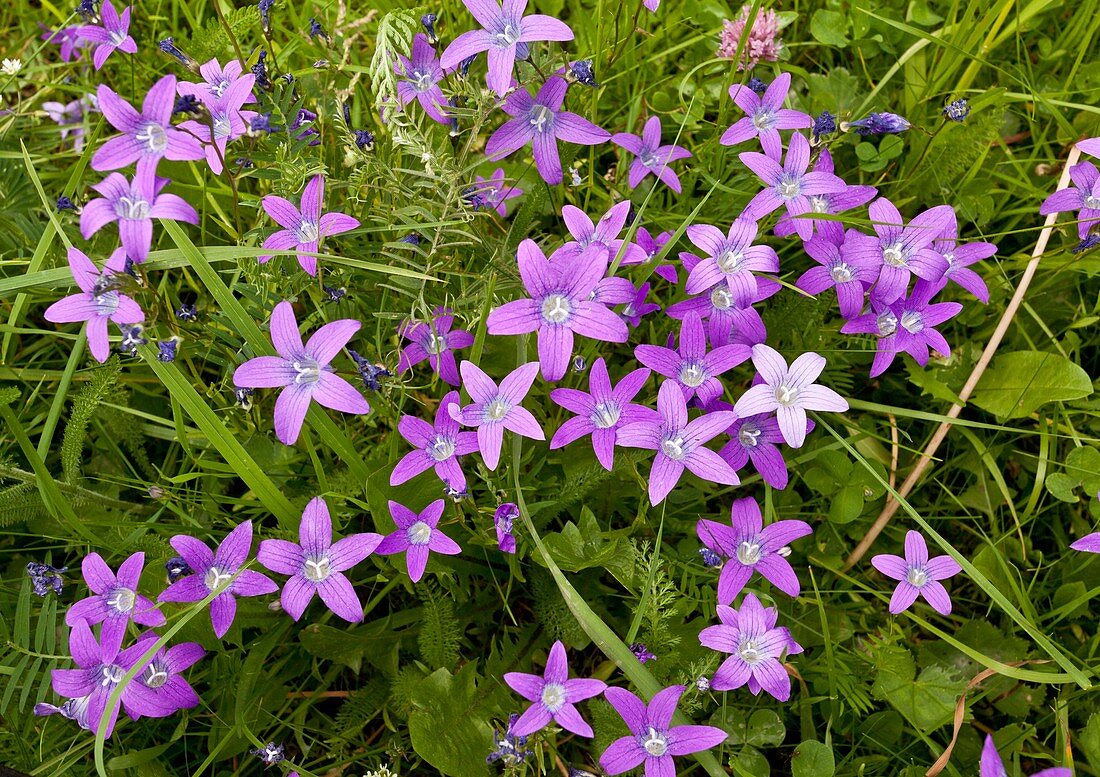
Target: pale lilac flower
{"type": "Point", "coordinates": [228, 121]}
{"type": "Point", "coordinates": [98, 302]}
{"type": "Point", "coordinates": [436, 446]}
{"type": "Point", "coordinates": [495, 193]}
{"type": "Point", "coordinates": [146, 137]}
{"type": "Point", "coordinates": [417, 536]}
{"type": "Point", "coordinates": [70, 117]}
{"type": "Point", "coordinates": [213, 574]}
{"type": "Point", "coordinates": [691, 366]}
{"type": "Point", "coordinates": [764, 116]}
{"type": "Point", "coordinates": [1083, 196]}
{"type": "Point", "coordinates": [133, 204]}
{"type": "Point", "coordinates": [558, 305]}
{"type": "Point", "coordinates": [542, 123]}
{"type": "Point", "coordinates": [653, 740]}
{"type": "Point", "coordinates": [650, 247]}
{"type": "Point", "coordinates": [217, 80]}
{"type": "Point", "coordinates": [495, 409]}
{"type": "Point", "coordinates": [68, 39]}
{"type": "Point", "coordinates": [601, 411]}
{"type": "Point", "coordinates": [756, 439]}
{"type": "Point", "coordinates": [505, 30]}
{"type": "Point", "coordinates": [750, 546]}
{"type": "Point", "coordinates": [651, 5]}
{"type": "Point", "coordinates": [502, 521]}
{"type": "Point", "coordinates": [849, 275]}
{"type": "Point", "coordinates": [726, 323]}
{"type": "Point", "coordinates": [651, 158]}
{"type": "Point", "coordinates": [902, 250]}
{"type": "Point", "coordinates": [679, 443]}
{"type": "Point", "coordinates": [113, 33]}
{"type": "Point", "coordinates": [991, 764]}
{"type": "Point", "coordinates": [419, 79]}
{"type": "Point", "coordinates": [115, 601]}
{"type": "Point", "coordinates": [757, 646]}
{"type": "Point", "coordinates": [316, 564]}
{"type": "Point", "coordinates": [730, 258]}
{"type": "Point", "coordinates": [918, 575]}
{"type": "Point", "coordinates": [302, 371]}
{"type": "Point", "coordinates": [832, 203]}
{"type": "Point", "coordinates": [960, 258]}
{"type": "Point", "coordinates": [789, 186]}
{"type": "Point", "coordinates": [554, 695]}
{"type": "Point", "coordinates": [1090, 543]}
{"type": "Point", "coordinates": [435, 342]}
{"type": "Point", "coordinates": [304, 229]}
{"type": "Point", "coordinates": [605, 234]}
{"type": "Point", "coordinates": [788, 392]}
{"type": "Point", "coordinates": [161, 690]}
{"type": "Point", "coordinates": [638, 307]}
{"type": "Point", "coordinates": [1090, 146]}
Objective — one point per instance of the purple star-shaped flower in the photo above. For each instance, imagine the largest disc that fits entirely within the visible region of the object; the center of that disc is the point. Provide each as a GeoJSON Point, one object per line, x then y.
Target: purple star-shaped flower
{"type": "Point", "coordinates": [788, 392]}
{"type": "Point", "coordinates": [730, 258]}
{"type": "Point", "coordinates": [161, 690]}
{"type": "Point", "coordinates": [750, 546]}
{"type": "Point", "coordinates": [68, 39]}
{"type": "Point", "coordinates": [651, 158]}
{"type": "Point", "coordinates": [901, 250]}
{"type": "Point", "coordinates": [789, 185]}
{"type": "Point", "coordinates": [146, 137]}
{"type": "Point", "coordinates": [435, 342]}
{"type": "Point", "coordinates": [830, 203]}
{"type": "Point", "coordinates": [217, 80]}
{"type": "Point", "coordinates": [726, 322]}
{"type": "Point", "coordinates": [1089, 146]}
{"type": "Point", "coordinates": [991, 764]}
{"type": "Point", "coordinates": [302, 371]}
{"type": "Point", "coordinates": [420, 77]}
{"type": "Point", "coordinates": [495, 409]}
{"type": "Point", "coordinates": [438, 447]}
{"type": "Point", "coordinates": [650, 247]}
{"type": "Point", "coordinates": [502, 522]}
{"type": "Point", "coordinates": [505, 30]}
{"type": "Point", "coordinates": [604, 234]}
{"type": "Point", "coordinates": [692, 367]}
{"type": "Point", "coordinates": [764, 116]}
{"type": "Point", "coordinates": [907, 325]}
{"type": "Point", "coordinates": [554, 695]}
{"type": "Point", "coordinates": [542, 123]}
{"type": "Point", "coordinates": [133, 204]}
{"type": "Point", "coordinates": [1084, 196]}
{"type": "Point", "coordinates": [653, 740]}
{"type": "Point", "coordinates": [756, 439]}
{"type": "Point", "coordinates": [116, 601]}
{"type": "Point", "coordinates": [679, 443]}
{"type": "Point", "coordinates": [97, 303]}
{"type": "Point", "coordinates": [113, 33]}
{"type": "Point", "coordinates": [558, 305]}
{"type": "Point", "coordinates": [918, 575]}
{"type": "Point", "coordinates": [316, 564]}
{"type": "Point", "coordinates": [417, 536]}
{"type": "Point", "coordinates": [849, 274]}
{"type": "Point", "coordinates": [212, 572]}
{"type": "Point", "coordinates": [305, 228]}
{"type": "Point", "coordinates": [638, 307]}
{"type": "Point", "coordinates": [960, 258]}
{"type": "Point", "coordinates": [228, 121]}
{"type": "Point", "coordinates": [1090, 543]}
{"type": "Point", "coordinates": [70, 118]}
{"type": "Point", "coordinates": [601, 411]}
{"type": "Point", "coordinates": [495, 193]}
{"type": "Point", "coordinates": [757, 648]}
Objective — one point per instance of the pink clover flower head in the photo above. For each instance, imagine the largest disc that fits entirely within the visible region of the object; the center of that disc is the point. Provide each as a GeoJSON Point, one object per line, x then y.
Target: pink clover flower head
{"type": "Point", "coordinates": [750, 546]}
{"type": "Point", "coordinates": [495, 409]}
{"type": "Point", "coordinates": [541, 122]}
{"type": "Point", "coordinates": [505, 31]}
{"type": "Point", "coordinates": [554, 695]}
{"type": "Point", "coordinates": [1083, 196]}
{"type": "Point", "coordinates": [789, 185]}
{"type": "Point", "coordinates": [679, 443]}
{"type": "Point", "coordinates": [304, 229]}
{"type": "Point", "coordinates": [918, 574]}
{"type": "Point", "coordinates": [730, 259]}
{"type": "Point", "coordinates": [653, 740]}
{"type": "Point", "coordinates": [763, 42]}
{"type": "Point", "coordinates": [991, 764]}
{"type": "Point", "coordinates": [228, 121]}
{"type": "Point", "coordinates": [789, 393]}
{"type": "Point", "coordinates": [146, 137]}
{"type": "Point", "coordinates": [436, 342]}
{"type": "Point", "coordinates": [316, 564]}
{"type": "Point", "coordinates": [757, 649]}
{"type": "Point", "coordinates": [558, 305]}
{"type": "Point", "coordinates": [437, 447]}
{"type": "Point", "coordinates": [601, 411]}
{"type": "Point", "coordinates": [495, 193]}
{"type": "Point", "coordinates": [764, 116]}
{"type": "Point", "coordinates": [831, 203]}
{"type": "Point", "coordinates": [419, 79]}
{"type": "Point", "coordinates": [115, 600]}
{"type": "Point", "coordinates": [302, 371]}
{"type": "Point", "coordinates": [97, 303]}
{"type": "Point", "coordinates": [133, 204]}
{"type": "Point", "coordinates": [213, 573]}
{"type": "Point", "coordinates": [161, 690]}
{"type": "Point", "coordinates": [417, 536]}
{"type": "Point", "coordinates": [112, 33]}
{"type": "Point", "coordinates": [692, 367]}
{"type": "Point", "coordinates": [651, 158]}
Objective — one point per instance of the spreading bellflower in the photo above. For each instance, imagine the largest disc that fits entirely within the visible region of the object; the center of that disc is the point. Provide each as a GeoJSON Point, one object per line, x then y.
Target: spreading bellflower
{"type": "Point", "coordinates": [849, 275]}
{"type": "Point", "coordinates": [991, 764]}
{"type": "Point", "coordinates": [1083, 196]}
{"type": "Point", "coordinates": [115, 601]}
{"type": "Point", "coordinates": [304, 229]}
{"type": "Point", "coordinates": [765, 116]}
{"type": "Point", "coordinates": [756, 439]}
{"type": "Point", "coordinates": [68, 39]}
{"type": "Point", "coordinates": [691, 366]}
{"type": "Point", "coordinates": [436, 343]}
{"type": "Point", "coordinates": [880, 124]}
{"type": "Point", "coordinates": [161, 690]}
{"type": "Point", "coordinates": [1090, 543]}
{"type": "Point", "coordinates": [554, 695]}
{"type": "Point", "coordinates": [417, 536]}
{"type": "Point", "coordinates": [133, 204]}
{"type": "Point", "coordinates": [650, 246]}
{"type": "Point", "coordinates": [495, 193]}
{"type": "Point", "coordinates": [228, 120]}
{"type": "Point", "coordinates": [503, 520]}
{"type": "Point", "coordinates": [495, 409]}
{"type": "Point", "coordinates": [436, 446]}
{"type": "Point", "coordinates": [45, 578]}
{"type": "Point", "coordinates": [651, 158]}
{"type": "Point", "coordinates": [113, 32]}
{"type": "Point", "coordinates": [960, 258]}
{"type": "Point", "coordinates": [831, 203]}
{"type": "Point", "coordinates": [731, 259]}
{"type": "Point", "coordinates": [70, 117]}
{"type": "Point", "coordinates": [419, 79]}
{"type": "Point", "coordinates": [605, 234]}
{"type": "Point", "coordinates": [217, 80]}
{"type": "Point", "coordinates": [726, 322]}
{"type": "Point", "coordinates": [638, 307]}
{"type": "Point", "coordinates": [918, 575]}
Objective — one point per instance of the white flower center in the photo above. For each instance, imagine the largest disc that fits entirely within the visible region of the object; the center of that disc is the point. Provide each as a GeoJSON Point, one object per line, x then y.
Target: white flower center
{"type": "Point", "coordinates": [307, 232]}
{"type": "Point", "coordinates": [112, 675]}
{"type": "Point", "coordinates": [117, 37]}
{"type": "Point", "coordinates": [749, 553]}
{"type": "Point", "coordinates": [153, 137]}
{"type": "Point", "coordinates": [556, 308]}
{"type": "Point", "coordinates": [419, 533]}
{"type": "Point", "coordinates": [762, 119]}
{"type": "Point", "coordinates": [316, 568]}
{"type": "Point", "coordinates": [841, 272]}
{"type": "Point", "coordinates": [673, 447]}
{"type": "Point", "coordinates": [729, 261]}
{"type": "Point", "coordinates": [308, 372]}
{"type": "Point", "coordinates": [749, 436]}
{"type": "Point", "coordinates": [893, 255]}
{"type": "Point", "coordinates": [605, 415]}
{"type": "Point", "coordinates": [655, 743]}
{"type": "Point", "coordinates": [887, 323]}
{"type": "Point", "coordinates": [950, 257]}
{"type": "Point", "coordinates": [106, 303]}
{"type": "Point", "coordinates": [912, 321]}
{"type": "Point", "coordinates": [497, 409]}
{"type": "Point", "coordinates": [721, 298]}
{"type": "Point", "coordinates": [788, 187]}
{"type": "Point", "coordinates": [129, 207]}
{"type": "Point", "coordinates": [422, 80]}
{"type": "Point", "coordinates": [435, 344]}
{"type": "Point", "coordinates": [222, 126]}
{"type": "Point", "coordinates": [750, 652]}
{"type": "Point", "coordinates": [155, 676]}
{"type": "Point", "coordinates": [1092, 202]}
{"type": "Point", "coordinates": [121, 599]}
{"type": "Point", "coordinates": [541, 118]}
{"type": "Point", "coordinates": [786, 395]}
{"type": "Point", "coordinates": [215, 578]}
{"type": "Point", "coordinates": [218, 88]}
{"type": "Point", "coordinates": [693, 374]}
{"type": "Point", "coordinates": [819, 203]}
{"type": "Point", "coordinates": [508, 36]}
{"type": "Point", "coordinates": [916, 576]}
{"type": "Point", "coordinates": [648, 158]}
{"type": "Point", "coordinates": [553, 696]}
{"type": "Point", "coordinates": [442, 448]}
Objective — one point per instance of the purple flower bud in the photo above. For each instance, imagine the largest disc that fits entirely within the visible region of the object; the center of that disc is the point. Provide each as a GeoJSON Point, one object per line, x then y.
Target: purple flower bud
{"type": "Point", "coordinates": [825, 124]}
{"type": "Point", "coordinates": [757, 85]}
{"type": "Point", "coordinates": [957, 110]}
{"type": "Point", "coordinates": [881, 124]}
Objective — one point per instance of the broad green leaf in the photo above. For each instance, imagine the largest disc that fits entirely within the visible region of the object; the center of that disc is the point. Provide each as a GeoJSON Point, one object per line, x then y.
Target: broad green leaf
{"type": "Point", "coordinates": [445, 729]}
{"type": "Point", "coordinates": [829, 27]}
{"type": "Point", "coordinates": [763, 728]}
{"type": "Point", "coordinates": [1019, 382]}
{"type": "Point", "coordinates": [581, 547]}
{"type": "Point", "coordinates": [927, 700]}
{"type": "Point", "coordinates": [813, 759]}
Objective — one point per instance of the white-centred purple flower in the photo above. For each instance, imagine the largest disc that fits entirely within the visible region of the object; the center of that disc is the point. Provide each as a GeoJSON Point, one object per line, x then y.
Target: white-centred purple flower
{"type": "Point", "coordinates": [917, 575]}
{"type": "Point", "coordinates": [554, 695]}
{"type": "Point", "coordinates": [496, 408]}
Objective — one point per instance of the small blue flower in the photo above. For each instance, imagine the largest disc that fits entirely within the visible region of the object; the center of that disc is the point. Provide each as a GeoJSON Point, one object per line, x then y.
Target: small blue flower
{"type": "Point", "coordinates": [579, 364]}
{"type": "Point", "coordinates": [187, 312]}
{"type": "Point", "coordinates": [1090, 241]}
{"type": "Point", "coordinates": [702, 685]}
{"type": "Point", "coordinates": [260, 71]}
{"type": "Point", "coordinates": [316, 30]}
{"type": "Point", "coordinates": [757, 85]}
{"type": "Point", "coordinates": [369, 371]}
{"type": "Point", "coordinates": [87, 9]}
{"type": "Point", "coordinates": [710, 558]}
{"type": "Point", "coordinates": [243, 397]}
{"type": "Point", "coordinates": [641, 652]}
{"type": "Point", "coordinates": [187, 103]}
{"type": "Point", "coordinates": [64, 203]}
{"type": "Point", "coordinates": [412, 239]}
{"type": "Point", "coordinates": [265, 15]}
{"type": "Point", "coordinates": [957, 110]}
{"type": "Point", "coordinates": [132, 338]}
{"type": "Point", "coordinates": [167, 350]}
{"type": "Point", "coordinates": [168, 46]}
{"type": "Point", "coordinates": [177, 567]}
{"type": "Point", "coordinates": [244, 163]}
{"type": "Point", "coordinates": [261, 122]}
{"type": "Point", "coordinates": [464, 65]}
{"type": "Point", "coordinates": [508, 748]}
{"type": "Point", "coordinates": [334, 293]}
{"type": "Point", "coordinates": [45, 578]}
{"type": "Point", "coordinates": [364, 139]}
{"type": "Point", "coordinates": [270, 753]}
{"type": "Point", "coordinates": [825, 124]}
{"type": "Point", "coordinates": [456, 494]}
{"type": "Point", "coordinates": [581, 72]}
{"type": "Point", "coordinates": [881, 124]}
{"type": "Point", "coordinates": [428, 20]}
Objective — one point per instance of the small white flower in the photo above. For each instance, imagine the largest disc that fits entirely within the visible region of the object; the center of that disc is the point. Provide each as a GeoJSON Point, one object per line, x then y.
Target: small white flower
{"type": "Point", "coordinates": [12, 66]}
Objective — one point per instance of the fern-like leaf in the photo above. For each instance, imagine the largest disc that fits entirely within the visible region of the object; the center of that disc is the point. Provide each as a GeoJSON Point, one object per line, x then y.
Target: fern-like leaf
{"type": "Point", "coordinates": [102, 382]}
